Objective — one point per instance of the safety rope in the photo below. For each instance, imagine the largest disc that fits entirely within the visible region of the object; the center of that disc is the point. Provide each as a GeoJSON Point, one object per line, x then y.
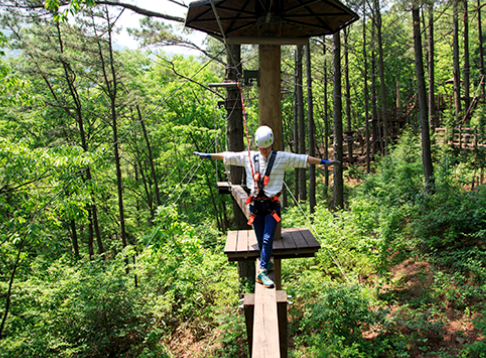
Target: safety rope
{"type": "Point", "coordinates": [246, 131]}
{"type": "Point", "coordinates": [317, 234]}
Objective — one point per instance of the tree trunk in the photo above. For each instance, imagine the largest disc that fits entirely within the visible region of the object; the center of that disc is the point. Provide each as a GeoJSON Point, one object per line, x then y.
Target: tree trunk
{"type": "Point", "coordinates": [466, 57]}
{"type": "Point", "coordinates": [146, 185]}
{"type": "Point", "coordinates": [296, 122]}
{"type": "Point", "coordinates": [366, 95]}
{"type": "Point", "coordinates": [431, 67]}
{"type": "Point", "coordinates": [90, 235]}
{"type": "Point", "coordinates": [481, 56]}
{"type": "Point", "coordinates": [99, 242]}
{"type": "Point", "coordinates": [348, 96]}
{"type": "Point", "coordinates": [422, 99]}
{"type": "Point", "coordinates": [112, 88]}
{"type": "Point", "coordinates": [381, 68]}
{"type": "Point", "coordinates": [374, 110]}
{"type": "Point", "coordinates": [235, 133]}
{"type": "Point", "coordinates": [338, 123]}
{"type": "Point", "coordinates": [8, 297]}
{"type": "Point", "coordinates": [150, 157]}
{"type": "Point", "coordinates": [326, 120]}
{"type": "Point", "coordinates": [311, 131]}
{"type": "Point", "coordinates": [301, 121]}
{"type": "Point", "coordinates": [74, 238]}
{"type": "Point", "coordinates": [455, 60]}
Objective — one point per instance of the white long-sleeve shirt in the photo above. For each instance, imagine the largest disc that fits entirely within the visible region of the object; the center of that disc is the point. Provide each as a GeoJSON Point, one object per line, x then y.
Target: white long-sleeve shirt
{"type": "Point", "coordinates": [283, 160]}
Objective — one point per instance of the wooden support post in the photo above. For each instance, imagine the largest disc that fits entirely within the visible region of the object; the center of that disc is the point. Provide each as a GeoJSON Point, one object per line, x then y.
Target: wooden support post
{"type": "Point", "coordinates": [269, 107]}
{"type": "Point", "coordinates": [282, 322]}
{"type": "Point", "coordinates": [269, 97]}
{"type": "Point", "coordinates": [266, 339]}
{"type": "Point", "coordinates": [249, 305]}
{"type": "Point", "coordinates": [278, 273]}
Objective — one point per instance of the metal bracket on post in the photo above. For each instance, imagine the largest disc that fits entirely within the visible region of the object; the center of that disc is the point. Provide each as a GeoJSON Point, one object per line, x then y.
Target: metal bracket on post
{"type": "Point", "coordinates": [249, 75]}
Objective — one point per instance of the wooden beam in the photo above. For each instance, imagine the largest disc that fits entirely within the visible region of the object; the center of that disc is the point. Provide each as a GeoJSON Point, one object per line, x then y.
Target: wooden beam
{"type": "Point", "coordinates": [240, 196]}
{"type": "Point", "coordinates": [266, 339]}
{"type": "Point", "coordinates": [250, 40]}
{"type": "Point", "coordinates": [249, 305]}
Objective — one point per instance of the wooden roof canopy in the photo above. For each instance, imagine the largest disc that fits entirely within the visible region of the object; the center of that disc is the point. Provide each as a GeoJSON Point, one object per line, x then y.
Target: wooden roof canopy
{"type": "Point", "coordinates": [269, 18]}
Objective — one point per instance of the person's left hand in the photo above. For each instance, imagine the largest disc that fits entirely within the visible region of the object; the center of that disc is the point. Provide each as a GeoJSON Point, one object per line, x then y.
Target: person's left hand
{"type": "Point", "coordinates": [203, 155]}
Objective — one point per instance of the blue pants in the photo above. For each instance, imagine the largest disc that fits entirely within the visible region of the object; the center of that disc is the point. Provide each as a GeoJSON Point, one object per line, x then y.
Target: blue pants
{"type": "Point", "coordinates": [265, 226]}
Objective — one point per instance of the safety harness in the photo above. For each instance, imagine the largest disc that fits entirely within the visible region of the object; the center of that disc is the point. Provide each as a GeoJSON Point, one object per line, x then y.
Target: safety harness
{"type": "Point", "coordinates": [259, 184]}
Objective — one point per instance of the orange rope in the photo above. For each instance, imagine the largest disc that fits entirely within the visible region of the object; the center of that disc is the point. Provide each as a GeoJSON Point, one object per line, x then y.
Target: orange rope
{"type": "Point", "coordinates": [246, 130]}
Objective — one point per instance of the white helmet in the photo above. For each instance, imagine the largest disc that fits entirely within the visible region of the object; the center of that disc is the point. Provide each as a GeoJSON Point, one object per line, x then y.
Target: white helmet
{"type": "Point", "coordinates": [264, 137]}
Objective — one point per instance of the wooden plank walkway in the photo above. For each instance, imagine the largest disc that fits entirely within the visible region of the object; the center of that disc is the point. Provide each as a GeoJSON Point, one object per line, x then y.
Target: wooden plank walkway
{"type": "Point", "coordinates": [240, 196]}
{"type": "Point", "coordinates": [242, 245]}
{"type": "Point", "coordinates": [265, 324]}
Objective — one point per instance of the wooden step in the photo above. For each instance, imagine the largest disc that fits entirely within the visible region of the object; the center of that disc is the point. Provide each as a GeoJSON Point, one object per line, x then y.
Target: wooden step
{"type": "Point", "coordinates": [242, 245]}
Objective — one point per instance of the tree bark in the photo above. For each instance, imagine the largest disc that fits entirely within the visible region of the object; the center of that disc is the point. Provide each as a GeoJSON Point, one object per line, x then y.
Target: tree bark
{"type": "Point", "coordinates": [422, 99]}
{"type": "Point", "coordinates": [301, 121]}
{"type": "Point", "coordinates": [366, 95]}
{"type": "Point", "coordinates": [326, 120]}
{"type": "Point", "coordinates": [374, 109]}
{"type": "Point", "coordinates": [311, 131]}
{"type": "Point", "coordinates": [74, 238]}
{"type": "Point", "coordinates": [348, 95]}
{"type": "Point", "coordinates": [381, 68]}
{"type": "Point", "coordinates": [8, 298]}
{"type": "Point", "coordinates": [481, 56]}
{"type": "Point", "coordinates": [455, 60]}
{"type": "Point", "coordinates": [338, 123]}
{"type": "Point", "coordinates": [431, 67]}
{"type": "Point", "coordinates": [150, 157]}
{"type": "Point", "coordinates": [466, 57]}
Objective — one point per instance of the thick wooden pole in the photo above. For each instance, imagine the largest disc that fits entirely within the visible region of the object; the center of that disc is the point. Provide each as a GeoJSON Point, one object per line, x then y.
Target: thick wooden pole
{"type": "Point", "coordinates": [270, 111]}
{"type": "Point", "coordinates": [269, 107]}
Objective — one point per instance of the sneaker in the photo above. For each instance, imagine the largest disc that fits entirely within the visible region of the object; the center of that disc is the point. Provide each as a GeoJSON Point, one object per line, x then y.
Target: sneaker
{"type": "Point", "coordinates": [270, 266]}
{"type": "Point", "coordinates": [263, 278]}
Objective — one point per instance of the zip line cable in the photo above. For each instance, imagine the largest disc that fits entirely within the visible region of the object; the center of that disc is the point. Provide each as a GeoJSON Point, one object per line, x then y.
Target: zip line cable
{"type": "Point", "coordinates": [317, 234]}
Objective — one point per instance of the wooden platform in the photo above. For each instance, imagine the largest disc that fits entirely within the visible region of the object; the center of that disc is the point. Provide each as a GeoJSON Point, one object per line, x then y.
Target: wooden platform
{"type": "Point", "coordinates": [299, 242]}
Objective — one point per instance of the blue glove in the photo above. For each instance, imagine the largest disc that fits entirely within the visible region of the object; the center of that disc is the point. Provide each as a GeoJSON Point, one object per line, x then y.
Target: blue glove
{"type": "Point", "coordinates": [203, 155]}
{"type": "Point", "coordinates": [323, 161]}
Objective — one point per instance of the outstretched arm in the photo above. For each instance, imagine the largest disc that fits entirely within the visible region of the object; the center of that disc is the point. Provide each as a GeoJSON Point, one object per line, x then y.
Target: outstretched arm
{"type": "Point", "coordinates": [219, 156]}
{"type": "Point", "coordinates": [314, 160]}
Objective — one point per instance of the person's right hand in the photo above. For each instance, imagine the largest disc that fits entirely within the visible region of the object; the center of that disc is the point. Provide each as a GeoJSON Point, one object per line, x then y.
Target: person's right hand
{"type": "Point", "coordinates": [203, 155]}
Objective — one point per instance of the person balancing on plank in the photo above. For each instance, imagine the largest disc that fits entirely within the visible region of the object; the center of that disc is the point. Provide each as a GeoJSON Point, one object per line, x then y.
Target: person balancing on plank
{"type": "Point", "coordinates": [265, 171]}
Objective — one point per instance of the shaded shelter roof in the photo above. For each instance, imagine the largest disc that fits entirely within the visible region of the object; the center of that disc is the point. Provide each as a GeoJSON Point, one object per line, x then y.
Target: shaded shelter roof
{"type": "Point", "coordinates": [269, 18]}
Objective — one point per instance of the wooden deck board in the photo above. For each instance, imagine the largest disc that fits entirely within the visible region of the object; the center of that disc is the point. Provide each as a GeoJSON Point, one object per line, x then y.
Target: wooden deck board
{"type": "Point", "coordinates": [230, 246]}
{"type": "Point", "coordinates": [252, 241]}
{"type": "Point", "coordinates": [288, 238]}
{"type": "Point", "coordinates": [299, 240]}
{"type": "Point", "coordinates": [295, 242]}
{"type": "Point", "coordinates": [242, 243]}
